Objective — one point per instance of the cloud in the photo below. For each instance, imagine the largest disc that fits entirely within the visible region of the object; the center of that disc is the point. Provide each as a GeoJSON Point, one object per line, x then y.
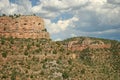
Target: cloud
{"type": "Point", "coordinates": [53, 8]}
{"type": "Point", "coordinates": [18, 7]}
{"type": "Point", "coordinates": [5, 6]}
{"type": "Point", "coordinates": [58, 39]}
{"type": "Point", "coordinates": [73, 35]}
{"type": "Point", "coordinates": [54, 5]}
{"type": "Point", "coordinates": [114, 2]}
{"type": "Point", "coordinates": [24, 6]}
{"type": "Point", "coordinates": [4, 3]}
{"type": "Point", "coordinates": [60, 25]}
{"type": "Point", "coordinates": [100, 18]}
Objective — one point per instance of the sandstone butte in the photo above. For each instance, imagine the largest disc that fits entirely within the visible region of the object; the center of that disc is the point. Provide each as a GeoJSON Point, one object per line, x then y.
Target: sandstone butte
{"type": "Point", "coordinates": [23, 27]}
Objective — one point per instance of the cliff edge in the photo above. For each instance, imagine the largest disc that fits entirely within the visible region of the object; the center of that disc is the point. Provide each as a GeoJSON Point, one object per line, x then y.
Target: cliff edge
{"type": "Point", "coordinates": [23, 27]}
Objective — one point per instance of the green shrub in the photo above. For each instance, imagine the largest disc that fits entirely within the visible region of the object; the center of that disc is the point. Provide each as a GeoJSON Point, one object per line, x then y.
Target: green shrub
{"type": "Point", "coordinates": [45, 60]}
{"type": "Point", "coordinates": [11, 40]}
{"type": "Point", "coordinates": [38, 50]}
{"type": "Point", "coordinates": [54, 52]}
{"type": "Point", "coordinates": [4, 54]}
{"type": "Point", "coordinates": [4, 77]}
{"type": "Point", "coordinates": [44, 30]}
{"type": "Point", "coordinates": [70, 61]}
{"type": "Point", "coordinates": [115, 62]}
{"type": "Point", "coordinates": [83, 71]}
{"type": "Point", "coordinates": [65, 75]}
{"type": "Point", "coordinates": [26, 53]}
{"type": "Point", "coordinates": [28, 46]}
{"type": "Point", "coordinates": [85, 56]}
{"type": "Point", "coordinates": [62, 49]}
{"type": "Point", "coordinates": [59, 61]}
{"type": "Point", "coordinates": [2, 40]}
{"type": "Point", "coordinates": [31, 76]}
{"type": "Point", "coordinates": [44, 66]}
{"type": "Point", "coordinates": [3, 14]}
{"type": "Point", "coordinates": [42, 73]}
{"type": "Point", "coordinates": [38, 45]}
{"type": "Point", "coordinates": [11, 16]}
{"type": "Point", "coordinates": [13, 75]}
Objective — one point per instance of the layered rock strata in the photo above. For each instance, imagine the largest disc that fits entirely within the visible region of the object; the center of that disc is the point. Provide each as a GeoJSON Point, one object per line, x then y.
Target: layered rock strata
{"type": "Point", "coordinates": [23, 27]}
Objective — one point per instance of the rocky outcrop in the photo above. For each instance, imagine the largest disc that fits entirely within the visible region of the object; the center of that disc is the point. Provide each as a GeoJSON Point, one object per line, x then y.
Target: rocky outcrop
{"type": "Point", "coordinates": [23, 27]}
{"type": "Point", "coordinates": [86, 43]}
{"type": "Point", "coordinates": [74, 46]}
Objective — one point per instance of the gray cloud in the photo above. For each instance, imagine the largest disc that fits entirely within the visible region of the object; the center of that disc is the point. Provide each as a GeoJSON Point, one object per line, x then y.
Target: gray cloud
{"type": "Point", "coordinates": [24, 5]}
{"type": "Point", "coordinates": [114, 2]}
{"type": "Point", "coordinates": [99, 18]}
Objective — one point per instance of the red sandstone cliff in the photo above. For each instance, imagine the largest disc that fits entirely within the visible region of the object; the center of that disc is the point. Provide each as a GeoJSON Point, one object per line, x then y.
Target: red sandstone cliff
{"type": "Point", "coordinates": [79, 45]}
{"type": "Point", "coordinates": [23, 27]}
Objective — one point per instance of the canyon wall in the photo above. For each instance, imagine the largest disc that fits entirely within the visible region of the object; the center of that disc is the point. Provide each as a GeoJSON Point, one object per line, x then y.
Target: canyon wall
{"type": "Point", "coordinates": [23, 27]}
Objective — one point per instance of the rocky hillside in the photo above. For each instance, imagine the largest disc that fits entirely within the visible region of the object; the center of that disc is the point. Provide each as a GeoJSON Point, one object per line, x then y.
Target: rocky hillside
{"type": "Point", "coordinates": [81, 43]}
{"type": "Point", "coordinates": [18, 26]}
{"type": "Point", "coordinates": [79, 58]}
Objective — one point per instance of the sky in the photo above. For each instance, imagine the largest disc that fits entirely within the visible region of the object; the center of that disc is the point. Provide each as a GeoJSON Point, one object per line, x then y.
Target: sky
{"type": "Point", "coordinates": [71, 18]}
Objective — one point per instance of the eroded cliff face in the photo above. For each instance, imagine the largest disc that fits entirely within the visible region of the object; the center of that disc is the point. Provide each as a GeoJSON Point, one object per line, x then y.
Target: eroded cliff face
{"type": "Point", "coordinates": [81, 44]}
{"type": "Point", "coordinates": [23, 27]}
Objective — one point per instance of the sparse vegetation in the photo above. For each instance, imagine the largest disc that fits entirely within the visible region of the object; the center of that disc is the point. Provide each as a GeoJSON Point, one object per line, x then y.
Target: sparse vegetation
{"type": "Point", "coordinates": [4, 54]}
{"type": "Point", "coordinates": [2, 40]}
{"type": "Point", "coordinates": [44, 30]}
{"type": "Point", "coordinates": [42, 59]}
{"type": "Point", "coordinates": [3, 14]}
{"type": "Point", "coordinates": [13, 75]}
{"type": "Point", "coordinates": [65, 75]}
{"type": "Point", "coordinates": [54, 52]}
{"type": "Point", "coordinates": [11, 40]}
{"type": "Point", "coordinates": [26, 53]}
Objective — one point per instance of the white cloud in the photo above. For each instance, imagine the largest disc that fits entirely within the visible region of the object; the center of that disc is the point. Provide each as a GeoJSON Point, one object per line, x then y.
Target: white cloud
{"type": "Point", "coordinates": [62, 4]}
{"type": "Point", "coordinates": [53, 4]}
{"type": "Point", "coordinates": [88, 17]}
{"type": "Point", "coordinates": [7, 8]}
{"type": "Point", "coordinates": [58, 39]}
{"type": "Point", "coordinates": [19, 7]}
{"type": "Point", "coordinates": [36, 9]}
{"type": "Point", "coordinates": [23, 6]}
{"type": "Point", "coordinates": [99, 13]}
{"type": "Point", "coordinates": [4, 3]}
{"type": "Point", "coordinates": [105, 12]}
{"type": "Point", "coordinates": [73, 35]}
{"type": "Point", "coordinates": [114, 1]}
{"type": "Point", "coordinates": [110, 16]}
{"type": "Point", "coordinates": [53, 8]}
{"type": "Point", "coordinates": [109, 31]}
{"type": "Point", "coordinates": [61, 25]}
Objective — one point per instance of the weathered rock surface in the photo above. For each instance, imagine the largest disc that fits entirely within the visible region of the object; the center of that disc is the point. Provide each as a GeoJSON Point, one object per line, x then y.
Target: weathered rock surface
{"type": "Point", "coordinates": [77, 45]}
{"type": "Point", "coordinates": [23, 27]}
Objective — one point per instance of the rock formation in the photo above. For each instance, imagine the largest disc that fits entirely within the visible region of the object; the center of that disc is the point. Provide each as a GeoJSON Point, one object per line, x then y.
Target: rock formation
{"type": "Point", "coordinates": [75, 45]}
{"type": "Point", "coordinates": [23, 27]}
